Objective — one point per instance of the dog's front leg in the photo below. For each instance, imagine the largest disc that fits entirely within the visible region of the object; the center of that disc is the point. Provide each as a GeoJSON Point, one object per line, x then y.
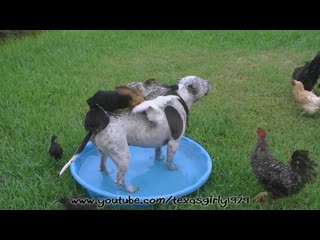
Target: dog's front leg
{"type": "Point", "coordinates": [172, 148]}
{"type": "Point", "coordinates": [158, 154]}
{"type": "Point", "coordinates": [103, 160]}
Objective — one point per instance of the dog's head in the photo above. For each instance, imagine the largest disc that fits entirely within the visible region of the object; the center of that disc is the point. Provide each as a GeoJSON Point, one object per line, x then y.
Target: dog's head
{"type": "Point", "coordinates": [195, 86]}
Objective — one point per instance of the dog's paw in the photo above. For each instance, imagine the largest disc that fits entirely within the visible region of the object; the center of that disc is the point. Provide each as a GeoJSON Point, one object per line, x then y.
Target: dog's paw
{"type": "Point", "coordinates": [130, 189]}
{"type": "Point", "coordinates": [171, 166]}
{"type": "Point", "coordinates": [159, 157]}
{"type": "Point", "coordinates": [107, 171]}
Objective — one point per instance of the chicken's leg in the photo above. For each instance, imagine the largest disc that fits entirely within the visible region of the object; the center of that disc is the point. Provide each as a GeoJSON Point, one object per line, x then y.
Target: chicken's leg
{"type": "Point", "coordinates": [261, 197]}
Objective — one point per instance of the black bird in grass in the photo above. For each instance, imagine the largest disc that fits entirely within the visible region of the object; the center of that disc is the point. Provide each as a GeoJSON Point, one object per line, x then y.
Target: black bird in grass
{"type": "Point", "coordinates": [55, 149]}
{"type": "Point", "coordinates": [68, 205]}
{"type": "Point", "coordinates": [309, 73]}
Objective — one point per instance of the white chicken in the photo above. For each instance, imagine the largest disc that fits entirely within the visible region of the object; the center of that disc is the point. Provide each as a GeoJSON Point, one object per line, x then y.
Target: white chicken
{"type": "Point", "coordinates": [307, 101]}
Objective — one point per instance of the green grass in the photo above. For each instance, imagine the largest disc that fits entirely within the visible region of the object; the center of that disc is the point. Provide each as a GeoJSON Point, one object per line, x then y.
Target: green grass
{"type": "Point", "coordinates": [46, 80]}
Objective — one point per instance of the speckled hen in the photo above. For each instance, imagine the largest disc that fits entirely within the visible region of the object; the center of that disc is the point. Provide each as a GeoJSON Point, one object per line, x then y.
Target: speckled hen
{"type": "Point", "coordinates": [278, 179]}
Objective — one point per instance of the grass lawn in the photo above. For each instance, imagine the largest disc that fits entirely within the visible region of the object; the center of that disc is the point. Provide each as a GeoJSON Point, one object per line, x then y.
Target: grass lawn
{"type": "Point", "coordinates": [46, 79]}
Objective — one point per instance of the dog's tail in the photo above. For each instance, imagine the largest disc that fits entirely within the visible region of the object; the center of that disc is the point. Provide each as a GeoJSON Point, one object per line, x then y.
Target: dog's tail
{"type": "Point", "coordinates": [79, 150]}
{"type": "Point", "coordinates": [153, 108]}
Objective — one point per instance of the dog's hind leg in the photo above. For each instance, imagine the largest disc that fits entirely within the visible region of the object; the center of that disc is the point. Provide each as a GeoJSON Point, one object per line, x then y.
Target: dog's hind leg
{"type": "Point", "coordinates": [158, 154]}
{"type": "Point", "coordinates": [121, 158]}
{"type": "Point", "coordinates": [172, 148]}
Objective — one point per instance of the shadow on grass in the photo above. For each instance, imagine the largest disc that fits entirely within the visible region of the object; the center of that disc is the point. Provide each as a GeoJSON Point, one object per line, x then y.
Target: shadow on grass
{"type": "Point", "coordinates": [14, 34]}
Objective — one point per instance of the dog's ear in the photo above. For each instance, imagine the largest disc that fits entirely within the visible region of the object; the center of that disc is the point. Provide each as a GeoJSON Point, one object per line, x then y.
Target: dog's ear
{"type": "Point", "coordinates": [174, 87]}
{"type": "Point", "coordinates": [175, 121]}
{"type": "Point", "coordinates": [151, 81]}
{"type": "Point", "coordinates": [192, 88]}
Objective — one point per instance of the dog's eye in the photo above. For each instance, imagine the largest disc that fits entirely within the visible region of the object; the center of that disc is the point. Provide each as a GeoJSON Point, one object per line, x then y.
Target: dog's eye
{"type": "Point", "coordinates": [190, 86]}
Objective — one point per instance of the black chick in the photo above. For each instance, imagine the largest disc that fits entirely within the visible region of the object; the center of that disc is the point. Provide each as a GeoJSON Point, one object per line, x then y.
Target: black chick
{"type": "Point", "coordinates": [68, 205]}
{"type": "Point", "coordinates": [55, 149]}
{"type": "Point", "coordinates": [309, 73]}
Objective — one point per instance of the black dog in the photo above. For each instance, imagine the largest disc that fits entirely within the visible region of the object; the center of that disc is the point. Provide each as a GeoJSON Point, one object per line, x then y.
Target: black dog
{"type": "Point", "coordinates": [96, 120]}
{"type": "Point", "coordinates": [109, 100]}
{"type": "Point", "coordinates": [102, 103]}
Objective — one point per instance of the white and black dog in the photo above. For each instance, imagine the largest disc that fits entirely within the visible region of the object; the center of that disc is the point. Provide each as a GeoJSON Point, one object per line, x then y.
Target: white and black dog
{"type": "Point", "coordinates": [135, 129]}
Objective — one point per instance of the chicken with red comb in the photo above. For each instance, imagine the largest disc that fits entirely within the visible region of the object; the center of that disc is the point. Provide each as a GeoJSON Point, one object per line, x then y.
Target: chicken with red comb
{"type": "Point", "coordinates": [279, 179]}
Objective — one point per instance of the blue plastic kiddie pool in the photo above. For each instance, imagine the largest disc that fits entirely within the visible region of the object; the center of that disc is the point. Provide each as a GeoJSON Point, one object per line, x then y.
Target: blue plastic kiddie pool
{"type": "Point", "coordinates": [152, 176]}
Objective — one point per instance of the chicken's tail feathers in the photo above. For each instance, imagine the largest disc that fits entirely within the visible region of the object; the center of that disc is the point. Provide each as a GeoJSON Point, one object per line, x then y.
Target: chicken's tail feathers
{"type": "Point", "coordinates": [78, 151]}
{"type": "Point", "coordinates": [315, 63]}
{"type": "Point", "coordinates": [296, 72]}
{"type": "Point", "coordinates": [308, 73]}
{"type": "Point", "coordinates": [303, 165]}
